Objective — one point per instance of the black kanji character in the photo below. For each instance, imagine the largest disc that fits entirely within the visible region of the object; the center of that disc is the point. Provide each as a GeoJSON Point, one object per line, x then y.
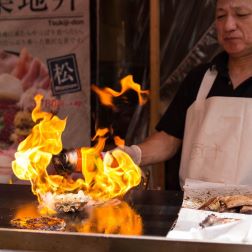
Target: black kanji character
{"type": "Point", "coordinates": [34, 5]}
{"type": "Point", "coordinates": [6, 5]}
{"type": "Point", "coordinates": [60, 2]}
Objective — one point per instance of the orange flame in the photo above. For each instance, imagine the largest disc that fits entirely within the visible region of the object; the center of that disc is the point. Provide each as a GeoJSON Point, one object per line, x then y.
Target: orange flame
{"type": "Point", "coordinates": [119, 141]}
{"type": "Point", "coordinates": [35, 152]}
{"type": "Point", "coordinates": [112, 219]}
{"type": "Point", "coordinates": [27, 210]}
{"type": "Point", "coordinates": [106, 95]}
{"type": "Point", "coordinates": [104, 180]}
{"type": "Point", "coordinates": [101, 180]}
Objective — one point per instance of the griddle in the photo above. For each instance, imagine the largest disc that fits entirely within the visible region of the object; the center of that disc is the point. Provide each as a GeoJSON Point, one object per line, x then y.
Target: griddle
{"type": "Point", "coordinates": [158, 211]}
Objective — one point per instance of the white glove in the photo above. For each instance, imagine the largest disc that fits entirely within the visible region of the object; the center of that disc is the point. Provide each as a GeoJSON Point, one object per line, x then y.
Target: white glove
{"type": "Point", "coordinates": [134, 152]}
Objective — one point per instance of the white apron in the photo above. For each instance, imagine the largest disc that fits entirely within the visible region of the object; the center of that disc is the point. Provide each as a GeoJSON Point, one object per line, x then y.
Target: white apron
{"type": "Point", "coordinates": [217, 145]}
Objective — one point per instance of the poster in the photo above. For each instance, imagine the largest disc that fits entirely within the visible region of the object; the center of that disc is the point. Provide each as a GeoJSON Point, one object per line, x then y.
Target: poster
{"type": "Point", "coordinates": [44, 48]}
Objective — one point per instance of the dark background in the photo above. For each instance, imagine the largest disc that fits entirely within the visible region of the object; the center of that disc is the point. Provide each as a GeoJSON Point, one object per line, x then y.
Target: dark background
{"type": "Point", "coordinates": [120, 46]}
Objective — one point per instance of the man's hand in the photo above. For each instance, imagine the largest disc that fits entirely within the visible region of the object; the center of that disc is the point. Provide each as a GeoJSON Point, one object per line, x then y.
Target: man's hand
{"type": "Point", "coordinates": [134, 152]}
{"type": "Point", "coordinates": [61, 164]}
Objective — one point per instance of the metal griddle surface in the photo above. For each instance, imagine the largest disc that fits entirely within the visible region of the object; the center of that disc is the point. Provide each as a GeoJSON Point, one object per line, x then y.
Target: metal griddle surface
{"type": "Point", "coordinates": [158, 209]}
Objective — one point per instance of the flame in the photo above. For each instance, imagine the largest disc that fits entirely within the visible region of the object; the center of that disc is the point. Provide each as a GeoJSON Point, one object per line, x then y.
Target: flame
{"type": "Point", "coordinates": [103, 179]}
{"type": "Point", "coordinates": [112, 217]}
{"type": "Point", "coordinates": [108, 176]}
{"type": "Point", "coordinates": [35, 152]}
{"type": "Point", "coordinates": [117, 218]}
{"type": "Point", "coordinates": [27, 210]}
{"type": "Point", "coordinates": [106, 95]}
{"type": "Point", "coordinates": [119, 141]}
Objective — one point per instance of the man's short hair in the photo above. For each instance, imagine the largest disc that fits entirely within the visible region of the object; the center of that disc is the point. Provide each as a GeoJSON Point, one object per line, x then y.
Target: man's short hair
{"type": "Point", "coordinates": [214, 3]}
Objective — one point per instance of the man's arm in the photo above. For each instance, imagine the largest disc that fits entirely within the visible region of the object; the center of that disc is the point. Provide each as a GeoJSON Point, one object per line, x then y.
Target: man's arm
{"type": "Point", "coordinates": [158, 147]}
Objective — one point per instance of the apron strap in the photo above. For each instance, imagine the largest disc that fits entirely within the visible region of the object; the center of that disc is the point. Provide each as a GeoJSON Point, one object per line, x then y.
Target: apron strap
{"type": "Point", "coordinates": [206, 84]}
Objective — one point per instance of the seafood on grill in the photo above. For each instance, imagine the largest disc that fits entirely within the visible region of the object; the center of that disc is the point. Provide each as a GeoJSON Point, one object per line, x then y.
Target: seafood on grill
{"type": "Point", "coordinates": [68, 202]}
{"type": "Point", "coordinates": [40, 223]}
{"type": "Point", "coordinates": [213, 220]}
{"type": "Point", "coordinates": [232, 203]}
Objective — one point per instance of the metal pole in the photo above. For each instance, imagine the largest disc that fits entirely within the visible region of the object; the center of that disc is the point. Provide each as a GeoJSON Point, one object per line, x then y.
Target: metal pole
{"type": "Point", "coordinates": [157, 170]}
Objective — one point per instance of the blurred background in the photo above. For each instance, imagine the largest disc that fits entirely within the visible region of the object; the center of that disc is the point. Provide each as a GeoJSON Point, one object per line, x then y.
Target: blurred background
{"type": "Point", "coordinates": [158, 42]}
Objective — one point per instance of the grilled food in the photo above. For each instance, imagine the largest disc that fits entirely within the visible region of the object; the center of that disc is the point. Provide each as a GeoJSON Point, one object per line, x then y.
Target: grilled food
{"type": "Point", "coordinates": [68, 202]}
{"type": "Point", "coordinates": [234, 204]}
{"type": "Point", "coordinates": [40, 223]}
{"type": "Point", "coordinates": [213, 220]}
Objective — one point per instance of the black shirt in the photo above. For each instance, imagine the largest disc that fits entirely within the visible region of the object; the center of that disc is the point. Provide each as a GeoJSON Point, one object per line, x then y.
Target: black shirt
{"type": "Point", "coordinates": [173, 120]}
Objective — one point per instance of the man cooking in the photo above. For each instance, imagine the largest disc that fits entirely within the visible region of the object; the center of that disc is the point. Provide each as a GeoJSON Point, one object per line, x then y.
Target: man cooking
{"type": "Point", "coordinates": [211, 115]}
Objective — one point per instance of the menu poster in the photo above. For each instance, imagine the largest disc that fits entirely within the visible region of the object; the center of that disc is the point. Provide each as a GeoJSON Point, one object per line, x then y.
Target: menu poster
{"type": "Point", "coordinates": [44, 48]}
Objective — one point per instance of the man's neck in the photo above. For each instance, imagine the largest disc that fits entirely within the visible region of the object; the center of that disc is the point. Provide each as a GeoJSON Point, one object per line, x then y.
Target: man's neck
{"type": "Point", "coordinates": [240, 69]}
{"type": "Point", "coordinates": [240, 64]}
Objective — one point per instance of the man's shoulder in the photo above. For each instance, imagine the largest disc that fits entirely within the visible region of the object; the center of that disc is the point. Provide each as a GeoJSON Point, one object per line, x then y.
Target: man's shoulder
{"type": "Point", "coordinates": [200, 70]}
{"type": "Point", "coordinates": [194, 78]}
{"type": "Point", "coordinates": [218, 62]}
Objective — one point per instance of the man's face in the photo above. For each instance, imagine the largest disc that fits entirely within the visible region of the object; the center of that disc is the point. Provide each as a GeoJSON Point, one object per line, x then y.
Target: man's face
{"type": "Point", "coordinates": [234, 26]}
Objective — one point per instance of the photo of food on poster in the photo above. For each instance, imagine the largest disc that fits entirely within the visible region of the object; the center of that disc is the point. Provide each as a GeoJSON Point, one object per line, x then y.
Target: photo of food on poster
{"type": "Point", "coordinates": [44, 49]}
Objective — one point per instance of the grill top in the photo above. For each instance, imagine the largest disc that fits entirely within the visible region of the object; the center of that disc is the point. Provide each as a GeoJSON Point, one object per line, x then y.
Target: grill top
{"type": "Point", "coordinates": [157, 210]}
